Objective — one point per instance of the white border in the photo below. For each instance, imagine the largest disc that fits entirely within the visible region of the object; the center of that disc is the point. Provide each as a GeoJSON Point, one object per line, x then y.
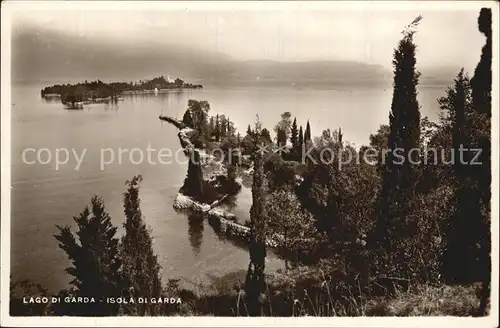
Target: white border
{"type": "Point", "coordinates": [9, 7]}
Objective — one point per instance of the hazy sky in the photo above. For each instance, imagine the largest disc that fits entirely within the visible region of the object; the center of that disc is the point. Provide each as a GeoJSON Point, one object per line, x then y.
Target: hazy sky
{"type": "Point", "coordinates": [368, 34]}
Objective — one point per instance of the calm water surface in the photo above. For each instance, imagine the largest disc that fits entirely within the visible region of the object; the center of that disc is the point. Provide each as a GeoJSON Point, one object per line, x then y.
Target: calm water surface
{"type": "Point", "coordinates": [43, 196]}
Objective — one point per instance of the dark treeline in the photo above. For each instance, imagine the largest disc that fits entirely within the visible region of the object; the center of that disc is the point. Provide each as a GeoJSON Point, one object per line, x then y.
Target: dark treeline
{"type": "Point", "coordinates": [370, 238]}
{"type": "Point", "coordinates": [94, 90]}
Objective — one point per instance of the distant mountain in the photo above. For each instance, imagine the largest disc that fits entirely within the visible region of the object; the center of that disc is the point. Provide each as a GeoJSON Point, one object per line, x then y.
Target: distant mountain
{"type": "Point", "coordinates": [48, 56]}
{"type": "Point", "coordinates": [311, 72]}
{"type": "Point", "coordinates": [51, 56]}
{"type": "Point", "coordinates": [442, 75]}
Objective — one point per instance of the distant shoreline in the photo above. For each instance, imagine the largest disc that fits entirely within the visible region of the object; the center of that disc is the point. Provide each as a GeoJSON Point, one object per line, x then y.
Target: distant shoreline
{"type": "Point", "coordinates": [166, 90]}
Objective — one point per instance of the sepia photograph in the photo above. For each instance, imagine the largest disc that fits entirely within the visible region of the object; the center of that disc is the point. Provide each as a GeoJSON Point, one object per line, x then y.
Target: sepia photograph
{"type": "Point", "coordinates": [243, 163]}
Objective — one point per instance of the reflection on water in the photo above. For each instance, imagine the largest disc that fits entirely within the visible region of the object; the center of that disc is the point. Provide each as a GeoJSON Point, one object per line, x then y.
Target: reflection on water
{"type": "Point", "coordinates": [231, 202]}
{"type": "Point", "coordinates": [52, 99]}
{"type": "Point", "coordinates": [112, 104]}
{"type": "Point", "coordinates": [195, 232]}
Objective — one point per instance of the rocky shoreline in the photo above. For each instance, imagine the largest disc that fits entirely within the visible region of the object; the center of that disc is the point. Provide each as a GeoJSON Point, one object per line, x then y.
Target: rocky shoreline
{"type": "Point", "coordinates": [223, 221]}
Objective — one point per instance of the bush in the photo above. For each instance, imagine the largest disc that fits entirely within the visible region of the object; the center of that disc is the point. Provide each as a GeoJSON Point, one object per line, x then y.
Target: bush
{"type": "Point", "coordinates": [427, 300]}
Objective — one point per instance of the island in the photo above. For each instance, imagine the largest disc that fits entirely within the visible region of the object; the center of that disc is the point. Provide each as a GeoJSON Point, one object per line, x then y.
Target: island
{"type": "Point", "coordinates": [74, 96]}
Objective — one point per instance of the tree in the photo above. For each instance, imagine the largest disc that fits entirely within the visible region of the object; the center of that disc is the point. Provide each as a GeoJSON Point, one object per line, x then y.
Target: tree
{"type": "Point", "coordinates": [379, 141]}
{"type": "Point", "coordinates": [17, 306]}
{"type": "Point", "coordinates": [249, 130]}
{"type": "Point", "coordinates": [96, 265]}
{"type": "Point", "coordinates": [211, 126]}
{"type": "Point", "coordinates": [467, 255]}
{"type": "Point", "coordinates": [307, 133]}
{"type": "Point", "coordinates": [238, 139]}
{"type": "Point", "coordinates": [458, 108]}
{"type": "Point", "coordinates": [231, 130]}
{"type": "Point", "coordinates": [282, 129]}
{"type": "Point", "coordinates": [217, 128]}
{"type": "Point", "coordinates": [281, 137]}
{"type": "Point", "coordinates": [399, 179]}
{"type": "Point", "coordinates": [193, 184]}
{"type": "Point", "coordinates": [187, 119]}
{"type": "Point", "coordinates": [255, 280]}
{"type": "Point", "coordinates": [300, 141]}
{"type": "Point", "coordinates": [178, 82]}
{"type": "Point", "coordinates": [319, 197]}
{"type": "Point", "coordinates": [294, 134]}
{"type": "Point", "coordinates": [266, 135]}
{"type": "Point", "coordinates": [461, 256]}
{"type": "Point", "coordinates": [140, 263]}
{"type": "Point", "coordinates": [287, 218]}
{"type": "Point", "coordinates": [481, 98]}
{"type": "Point", "coordinates": [199, 114]}
{"type": "Point", "coordinates": [223, 126]}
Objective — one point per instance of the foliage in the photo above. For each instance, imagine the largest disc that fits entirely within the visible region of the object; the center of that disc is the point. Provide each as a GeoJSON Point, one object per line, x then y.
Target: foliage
{"type": "Point", "coordinates": [294, 137]}
{"type": "Point", "coordinates": [187, 119]}
{"type": "Point", "coordinates": [307, 132]}
{"type": "Point", "coordinates": [399, 179]}
{"type": "Point", "coordinates": [427, 300]}
{"type": "Point", "coordinates": [193, 183]}
{"type": "Point", "coordinates": [96, 265]}
{"type": "Point", "coordinates": [300, 143]}
{"type": "Point", "coordinates": [283, 128]}
{"type": "Point", "coordinates": [250, 141]}
{"type": "Point", "coordinates": [199, 114]}
{"type": "Point", "coordinates": [255, 280]}
{"type": "Point", "coordinates": [428, 224]}
{"type": "Point", "coordinates": [287, 218]}
{"type": "Point", "coordinates": [379, 140]}
{"type": "Point", "coordinates": [90, 91]}
{"type": "Point", "coordinates": [140, 264]}
{"type": "Point", "coordinates": [26, 288]}
{"type": "Point", "coordinates": [481, 99]}
{"type": "Point", "coordinates": [467, 255]}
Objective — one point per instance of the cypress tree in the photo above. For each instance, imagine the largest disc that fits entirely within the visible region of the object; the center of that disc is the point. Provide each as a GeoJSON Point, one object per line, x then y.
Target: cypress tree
{"type": "Point", "coordinates": [193, 183]}
{"type": "Point", "coordinates": [249, 130]}
{"type": "Point", "coordinates": [217, 128]}
{"type": "Point", "coordinates": [255, 280]}
{"type": "Point", "coordinates": [140, 263]}
{"type": "Point", "coordinates": [238, 139]}
{"type": "Point", "coordinates": [481, 81]}
{"type": "Point", "coordinates": [481, 99]}
{"type": "Point", "coordinates": [467, 256]}
{"type": "Point", "coordinates": [300, 138]}
{"type": "Point", "coordinates": [294, 134]}
{"type": "Point", "coordinates": [230, 128]}
{"type": "Point", "coordinates": [341, 136]}
{"type": "Point", "coordinates": [300, 143]}
{"type": "Point", "coordinates": [187, 119]}
{"type": "Point", "coordinates": [458, 257]}
{"type": "Point", "coordinates": [399, 179]}
{"type": "Point", "coordinates": [307, 133]}
{"type": "Point", "coordinates": [96, 265]}
{"type": "Point", "coordinates": [223, 126]}
{"type": "Point", "coordinates": [212, 126]}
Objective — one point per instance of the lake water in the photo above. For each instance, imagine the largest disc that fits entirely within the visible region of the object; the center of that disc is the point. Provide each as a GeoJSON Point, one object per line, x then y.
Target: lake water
{"type": "Point", "coordinates": [43, 196]}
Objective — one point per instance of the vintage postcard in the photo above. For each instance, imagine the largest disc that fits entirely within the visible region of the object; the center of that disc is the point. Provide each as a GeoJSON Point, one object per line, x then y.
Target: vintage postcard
{"type": "Point", "coordinates": [249, 163]}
